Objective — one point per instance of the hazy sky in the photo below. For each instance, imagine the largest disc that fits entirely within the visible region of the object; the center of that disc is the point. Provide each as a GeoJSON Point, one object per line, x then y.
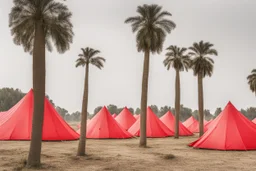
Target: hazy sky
{"type": "Point", "coordinates": [229, 25]}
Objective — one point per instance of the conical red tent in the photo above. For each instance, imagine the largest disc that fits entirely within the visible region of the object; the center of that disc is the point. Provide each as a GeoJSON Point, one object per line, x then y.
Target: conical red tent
{"type": "Point", "coordinates": [231, 130]}
{"type": "Point", "coordinates": [192, 124]}
{"type": "Point", "coordinates": [155, 127]}
{"type": "Point", "coordinates": [17, 122]}
{"type": "Point", "coordinates": [169, 120]}
{"type": "Point", "coordinates": [103, 125]}
{"type": "Point", "coordinates": [125, 118]}
{"type": "Point", "coordinates": [114, 115]}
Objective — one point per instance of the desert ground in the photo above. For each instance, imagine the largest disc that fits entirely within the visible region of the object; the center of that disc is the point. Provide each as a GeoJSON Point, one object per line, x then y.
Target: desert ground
{"type": "Point", "coordinates": [124, 155]}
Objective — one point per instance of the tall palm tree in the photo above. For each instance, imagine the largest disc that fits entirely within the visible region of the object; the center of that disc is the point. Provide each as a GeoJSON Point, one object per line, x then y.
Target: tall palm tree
{"type": "Point", "coordinates": [34, 24]}
{"type": "Point", "coordinates": [151, 27]}
{"type": "Point", "coordinates": [202, 66]}
{"type": "Point", "coordinates": [252, 81]}
{"type": "Point", "coordinates": [87, 57]}
{"type": "Point", "coordinates": [177, 59]}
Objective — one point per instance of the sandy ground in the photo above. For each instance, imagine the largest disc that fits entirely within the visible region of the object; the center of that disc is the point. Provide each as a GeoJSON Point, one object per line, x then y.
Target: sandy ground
{"type": "Point", "coordinates": [125, 155]}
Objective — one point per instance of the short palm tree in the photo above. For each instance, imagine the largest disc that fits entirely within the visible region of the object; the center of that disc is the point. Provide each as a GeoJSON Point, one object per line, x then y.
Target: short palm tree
{"type": "Point", "coordinates": [87, 57]}
{"type": "Point", "coordinates": [202, 66]}
{"type": "Point", "coordinates": [34, 23]}
{"type": "Point", "coordinates": [151, 27]}
{"type": "Point", "coordinates": [177, 59]}
{"type": "Point", "coordinates": [252, 81]}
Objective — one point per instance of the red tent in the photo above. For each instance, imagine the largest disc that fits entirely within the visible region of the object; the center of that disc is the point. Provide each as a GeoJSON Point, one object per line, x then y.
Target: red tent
{"type": "Point", "coordinates": [155, 127]}
{"type": "Point", "coordinates": [231, 130]}
{"type": "Point", "coordinates": [169, 120]}
{"type": "Point", "coordinates": [103, 125]}
{"type": "Point", "coordinates": [114, 115]}
{"type": "Point", "coordinates": [192, 124]}
{"type": "Point", "coordinates": [17, 122]}
{"type": "Point", "coordinates": [125, 118]}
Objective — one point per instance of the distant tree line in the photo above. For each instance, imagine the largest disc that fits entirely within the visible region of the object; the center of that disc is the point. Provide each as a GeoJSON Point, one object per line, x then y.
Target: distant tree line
{"type": "Point", "coordinates": [9, 97]}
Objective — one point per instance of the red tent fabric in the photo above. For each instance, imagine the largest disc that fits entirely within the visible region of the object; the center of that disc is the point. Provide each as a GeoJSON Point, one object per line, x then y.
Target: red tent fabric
{"type": "Point", "coordinates": [17, 122]}
{"type": "Point", "coordinates": [206, 122]}
{"type": "Point", "coordinates": [2, 117]}
{"type": "Point", "coordinates": [169, 120]}
{"type": "Point", "coordinates": [192, 124]}
{"type": "Point", "coordinates": [155, 127]}
{"type": "Point", "coordinates": [125, 118]}
{"type": "Point", "coordinates": [5, 116]}
{"type": "Point", "coordinates": [103, 125]}
{"type": "Point", "coordinates": [136, 116]}
{"type": "Point", "coordinates": [231, 130]}
{"type": "Point", "coordinates": [114, 115]}
{"type": "Point", "coordinates": [254, 120]}
{"type": "Point", "coordinates": [206, 126]}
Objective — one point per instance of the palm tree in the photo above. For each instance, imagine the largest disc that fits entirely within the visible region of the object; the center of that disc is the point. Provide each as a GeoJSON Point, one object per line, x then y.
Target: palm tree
{"type": "Point", "coordinates": [202, 66]}
{"type": "Point", "coordinates": [252, 81]}
{"type": "Point", "coordinates": [87, 57]}
{"type": "Point", "coordinates": [151, 27]}
{"type": "Point", "coordinates": [34, 23]}
{"type": "Point", "coordinates": [176, 58]}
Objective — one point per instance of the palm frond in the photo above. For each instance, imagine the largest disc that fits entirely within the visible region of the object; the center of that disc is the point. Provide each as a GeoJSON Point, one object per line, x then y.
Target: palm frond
{"type": "Point", "coordinates": [176, 58]}
{"type": "Point", "coordinates": [151, 27]}
{"type": "Point", "coordinates": [98, 62]}
{"type": "Point", "coordinates": [80, 62]}
{"type": "Point", "coordinates": [55, 18]}
{"type": "Point", "coordinates": [202, 63]}
{"type": "Point", "coordinates": [88, 57]}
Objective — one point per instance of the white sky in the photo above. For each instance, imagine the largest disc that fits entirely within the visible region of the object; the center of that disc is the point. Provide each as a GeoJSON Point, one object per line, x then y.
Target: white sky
{"type": "Point", "coordinates": [229, 25]}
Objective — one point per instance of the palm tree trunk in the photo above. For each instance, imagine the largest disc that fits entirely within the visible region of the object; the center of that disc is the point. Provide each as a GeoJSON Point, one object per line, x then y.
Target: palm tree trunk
{"type": "Point", "coordinates": [82, 142]}
{"type": "Point", "coordinates": [200, 104]}
{"type": "Point", "coordinates": [177, 103]}
{"type": "Point", "coordinates": [144, 100]}
{"type": "Point", "coordinates": [34, 157]}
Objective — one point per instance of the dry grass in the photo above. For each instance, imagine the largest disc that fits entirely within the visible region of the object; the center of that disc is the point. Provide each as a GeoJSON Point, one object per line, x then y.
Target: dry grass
{"type": "Point", "coordinates": [125, 155]}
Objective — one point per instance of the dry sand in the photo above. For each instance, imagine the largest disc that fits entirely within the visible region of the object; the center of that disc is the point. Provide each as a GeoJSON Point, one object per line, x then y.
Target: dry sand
{"type": "Point", "coordinates": [125, 155]}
